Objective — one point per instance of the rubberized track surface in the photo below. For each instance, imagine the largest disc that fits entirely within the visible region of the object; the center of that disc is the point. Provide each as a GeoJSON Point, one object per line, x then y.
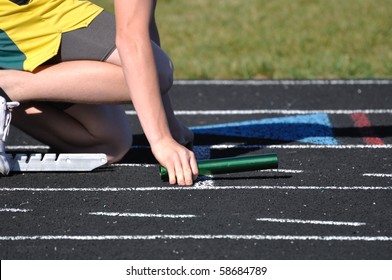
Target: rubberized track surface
{"type": "Point", "coordinates": [330, 198]}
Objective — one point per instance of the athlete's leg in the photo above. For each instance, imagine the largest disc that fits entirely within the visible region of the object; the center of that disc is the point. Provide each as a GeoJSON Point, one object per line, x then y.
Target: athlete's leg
{"type": "Point", "coordinates": [77, 81]}
{"type": "Point", "coordinates": [90, 82]}
{"type": "Point", "coordinates": [81, 128]}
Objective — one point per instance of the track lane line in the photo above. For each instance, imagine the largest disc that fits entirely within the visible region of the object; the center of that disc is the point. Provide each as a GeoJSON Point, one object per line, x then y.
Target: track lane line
{"type": "Point", "coordinates": [198, 237]}
{"type": "Point", "coordinates": [273, 111]}
{"type": "Point", "coordinates": [15, 210]}
{"type": "Point", "coordinates": [202, 187]}
{"type": "Point", "coordinates": [143, 215]}
{"type": "Point", "coordinates": [314, 222]}
{"type": "Point", "coordinates": [281, 82]}
{"type": "Point", "coordinates": [380, 175]}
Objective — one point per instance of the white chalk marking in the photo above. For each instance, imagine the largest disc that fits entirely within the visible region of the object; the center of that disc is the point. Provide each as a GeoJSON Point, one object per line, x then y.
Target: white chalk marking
{"type": "Point", "coordinates": [14, 210]}
{"type": "Point", "coordinates": [193, 188]}
{"type": "Point", "coordinates": [314, 222]}
{"type": "Point", "coordinates": [291, 146]}
{"type": "Point", "coordinates": [301, 146]}
{"type": "Point", "coordinates": [205, 182]}
{"type": "Point", "coordinates": [378, 175]}
{"type": "Point", "coordinates": [283, 171]}
{"type": "Point", "coordinates": [229, 146]}
{"type": "Point", "coordinates": [133, 165]}
{"type": "Point", "coordinates": [280, 82]}
{"type": "Point", "coordinates": [274, 111]}
{"type": "Point", "coordinates": [198, 237]}
{"type": "Point", "coordinates": [27, 147]}
{"type": "Point", "coordinates": [142, 215]}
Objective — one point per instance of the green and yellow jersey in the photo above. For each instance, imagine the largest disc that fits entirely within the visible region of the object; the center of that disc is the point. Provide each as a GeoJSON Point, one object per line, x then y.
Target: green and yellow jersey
{"type": "Point", "coordinates": [30, 33]}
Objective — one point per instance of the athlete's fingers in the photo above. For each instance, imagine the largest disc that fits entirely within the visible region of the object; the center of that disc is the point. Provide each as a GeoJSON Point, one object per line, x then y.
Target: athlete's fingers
{"type": "Point", "coordinates": [189, 166]}
{"type": "Point", "coordinates": [187, 171]}
{"type": "Point", "coordinates": [172, 174]}
{"type": "Point", "coordinates": [179, 173]}
{"type": "Point", "coordinates": [194, 167]}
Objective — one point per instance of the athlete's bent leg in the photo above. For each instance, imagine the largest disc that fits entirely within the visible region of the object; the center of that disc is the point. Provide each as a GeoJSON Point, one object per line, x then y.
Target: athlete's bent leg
{"type": "Point", "coordinates": [79, 129]}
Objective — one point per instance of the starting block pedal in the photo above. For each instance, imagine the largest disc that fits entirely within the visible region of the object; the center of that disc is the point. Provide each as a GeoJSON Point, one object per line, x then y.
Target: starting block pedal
{"type": "Point", "coordinates": [56, 162]}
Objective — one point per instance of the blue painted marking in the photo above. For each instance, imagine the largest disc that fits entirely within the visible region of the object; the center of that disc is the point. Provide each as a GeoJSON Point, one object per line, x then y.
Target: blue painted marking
{"type": "Point", "coordinates": [313, 128]}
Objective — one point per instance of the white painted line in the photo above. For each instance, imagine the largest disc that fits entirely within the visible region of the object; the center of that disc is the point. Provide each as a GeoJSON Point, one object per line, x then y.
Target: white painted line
{"type": "Point", "coordinates": [203, 188]}
{"type": "Point", "coordinates": [314, 222]}
{"type": "Point", "coordinates": [378, 175]}
{"type": "Point", "coordinates": [14, 210]}
{"type": "Point", "coordinates": [283, 171]}
{"type": "Point", "coordinates": [133, 165]}
{"type": "Point", "coordinates": [202, 151]}
{"type": "Point", "coordinates": [274, 111]}
{"type": "Point", "coordinates": [142, 215]}
{"type": "Point", "coordinates": [293, 146]}
{"type": "Point", "coordinates": [27, 147]}
{"type": "Point", "coordinates": [300, 146]}
{"type": "Point", "coordinates": [198, 237]}
{"type": "Point", "coordinates": [280, 82]}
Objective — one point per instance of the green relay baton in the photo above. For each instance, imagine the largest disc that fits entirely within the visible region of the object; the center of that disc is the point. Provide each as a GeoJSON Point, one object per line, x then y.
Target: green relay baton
{"type": "Point", "coordinates": [231, 165]}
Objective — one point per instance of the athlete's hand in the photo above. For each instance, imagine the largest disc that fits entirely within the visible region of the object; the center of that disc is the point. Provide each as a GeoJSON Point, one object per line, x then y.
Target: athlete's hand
{"type": "Point", "coordinates": [179, 161]}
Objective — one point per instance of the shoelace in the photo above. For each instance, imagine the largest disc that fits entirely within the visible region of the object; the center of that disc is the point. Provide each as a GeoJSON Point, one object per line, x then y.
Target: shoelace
{"type": "Point", "coordinates": [8, 117]}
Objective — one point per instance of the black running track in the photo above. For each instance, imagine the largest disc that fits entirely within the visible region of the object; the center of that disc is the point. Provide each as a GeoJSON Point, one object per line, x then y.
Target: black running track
{"type": "Point", "coordinates": [331, 197]}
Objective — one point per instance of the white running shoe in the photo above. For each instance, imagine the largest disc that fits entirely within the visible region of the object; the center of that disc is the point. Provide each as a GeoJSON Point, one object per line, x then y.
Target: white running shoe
{"type": "Point", "coordinates": [5, 122]}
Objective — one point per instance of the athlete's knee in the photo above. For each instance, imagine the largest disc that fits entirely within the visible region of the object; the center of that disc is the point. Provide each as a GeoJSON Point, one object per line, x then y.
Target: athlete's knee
{"type": "Point", "coordinates": [14, 82]}
{"type": "Point", "coordinates": [165, 69]}
{"type": "Point", "coordinates": [166, 77]}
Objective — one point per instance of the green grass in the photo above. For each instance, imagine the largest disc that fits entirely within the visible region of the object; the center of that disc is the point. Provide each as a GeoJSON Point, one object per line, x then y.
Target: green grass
{"type": "Point", "coordinates": [276, 39]}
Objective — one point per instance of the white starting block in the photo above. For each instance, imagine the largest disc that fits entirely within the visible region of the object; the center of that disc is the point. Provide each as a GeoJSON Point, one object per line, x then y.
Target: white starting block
{"type": "Point", "coordinates": [56, 162]}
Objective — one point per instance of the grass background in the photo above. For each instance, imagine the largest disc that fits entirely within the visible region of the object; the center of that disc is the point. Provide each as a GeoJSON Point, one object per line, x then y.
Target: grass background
{"type": "Point", "coordinates": [276, 39]}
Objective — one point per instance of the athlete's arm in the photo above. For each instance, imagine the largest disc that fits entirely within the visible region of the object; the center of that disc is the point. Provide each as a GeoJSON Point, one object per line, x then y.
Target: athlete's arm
{"type": "Point", "coordinates": [136, 54]}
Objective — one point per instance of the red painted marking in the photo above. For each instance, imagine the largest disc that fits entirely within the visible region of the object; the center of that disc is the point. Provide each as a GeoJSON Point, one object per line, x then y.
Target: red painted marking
{"type": "Point", "coordinates": [362, 121]}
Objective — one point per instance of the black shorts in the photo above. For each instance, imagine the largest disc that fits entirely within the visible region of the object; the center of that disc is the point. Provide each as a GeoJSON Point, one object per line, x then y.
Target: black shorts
{"type": "Point", "coordinates": [94, 42]}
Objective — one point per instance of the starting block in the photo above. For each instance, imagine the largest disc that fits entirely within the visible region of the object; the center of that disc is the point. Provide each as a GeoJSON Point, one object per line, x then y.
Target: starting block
{"type": "Point", "coordinates": [56, 162]}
